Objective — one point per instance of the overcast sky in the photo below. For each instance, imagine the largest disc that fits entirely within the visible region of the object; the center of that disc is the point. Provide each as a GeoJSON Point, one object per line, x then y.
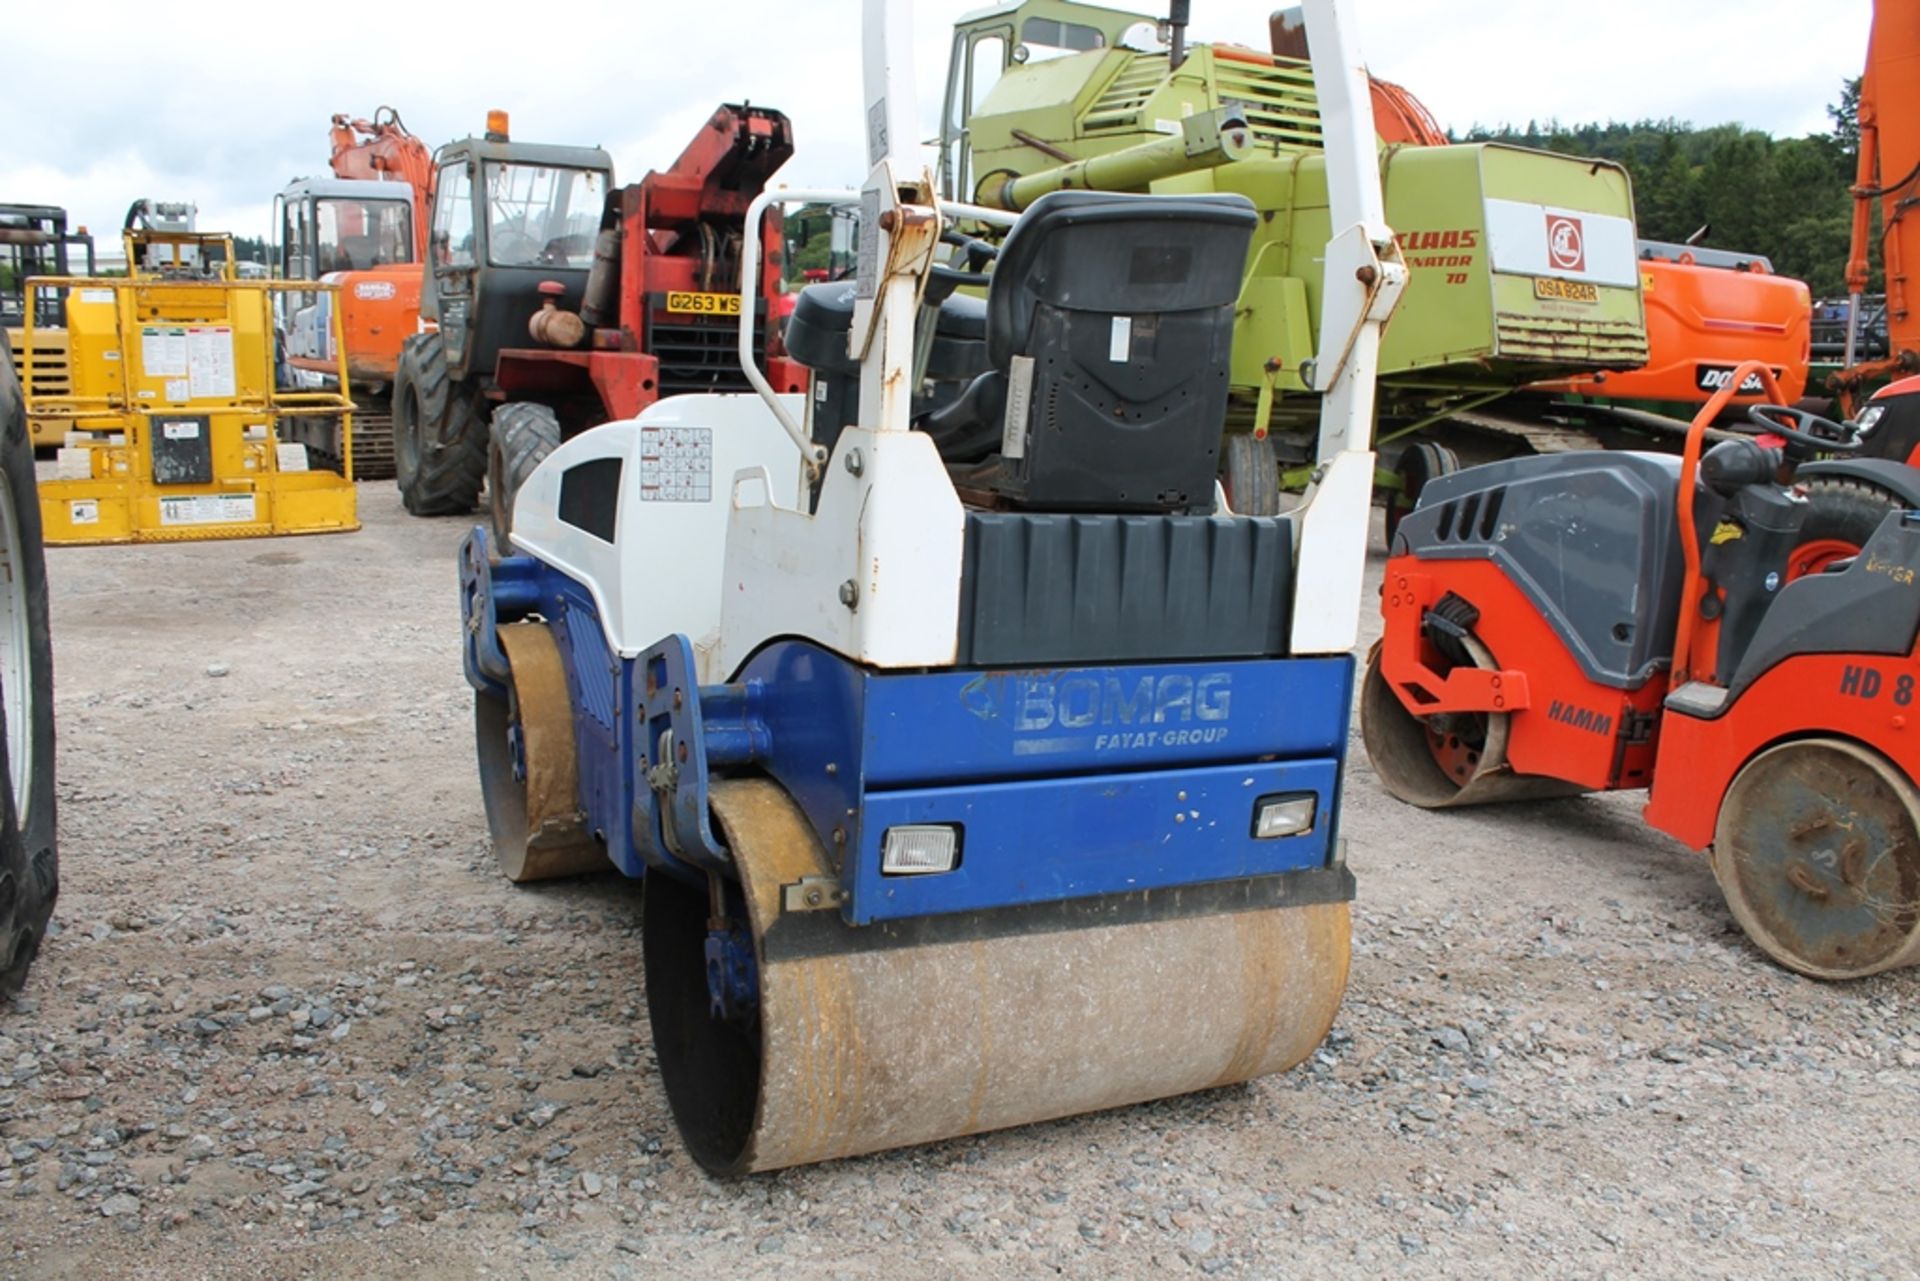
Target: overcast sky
{"type": "Point", "coordinates": [229, 110]}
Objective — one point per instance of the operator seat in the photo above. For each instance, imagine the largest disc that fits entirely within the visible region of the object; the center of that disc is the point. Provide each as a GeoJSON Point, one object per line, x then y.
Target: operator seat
{"type": "Point", "coordinates": [359, 253]}
{"type": "Point", "coordinates": [816, 336]}
{"type": "Point", "coordinates": [1109, 337]}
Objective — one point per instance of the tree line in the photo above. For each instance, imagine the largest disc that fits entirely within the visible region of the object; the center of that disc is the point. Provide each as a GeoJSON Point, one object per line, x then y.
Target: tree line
{"type": "Point", "coordinates": [1786, 198]}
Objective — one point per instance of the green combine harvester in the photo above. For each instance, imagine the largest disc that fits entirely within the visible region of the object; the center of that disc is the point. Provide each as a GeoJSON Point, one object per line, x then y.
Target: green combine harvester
{"type": "Point", "coordinates": [1523, 263]}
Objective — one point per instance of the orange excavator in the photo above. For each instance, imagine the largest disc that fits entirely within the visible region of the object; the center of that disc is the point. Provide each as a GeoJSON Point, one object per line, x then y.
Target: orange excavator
{"type": "Point", "coordinates": [365, 229]}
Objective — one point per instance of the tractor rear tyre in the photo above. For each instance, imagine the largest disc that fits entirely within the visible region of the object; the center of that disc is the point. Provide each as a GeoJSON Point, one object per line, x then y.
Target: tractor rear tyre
{"type": "Point", "coordinates": [1841, 516]}
{"type": "Point", "coordinates": [439, 432]}
{"type": "Point", "coordinates": [29, 859]}
{"type": "Point", "coordinates": [1250, 473]}
{"type": "Point", "coordinates": [523, 434]}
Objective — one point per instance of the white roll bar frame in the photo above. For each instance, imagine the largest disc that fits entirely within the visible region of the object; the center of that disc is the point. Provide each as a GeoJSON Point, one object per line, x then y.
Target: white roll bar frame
{"type": "Point", "coordinates": [816, 455]}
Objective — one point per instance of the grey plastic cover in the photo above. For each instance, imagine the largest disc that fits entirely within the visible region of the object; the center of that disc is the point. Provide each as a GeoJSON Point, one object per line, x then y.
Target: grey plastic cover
{"type": "Point", "coordinates": [1871, 607]}
{"type": "Point", "coordinates": [1591, 538]}
{"type": "Point", "coordinates": [1053, 588]}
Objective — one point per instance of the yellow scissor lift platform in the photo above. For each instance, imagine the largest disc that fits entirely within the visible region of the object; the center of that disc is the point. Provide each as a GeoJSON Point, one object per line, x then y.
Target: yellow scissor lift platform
{"type": "Point", "coordinates": [172, 409]}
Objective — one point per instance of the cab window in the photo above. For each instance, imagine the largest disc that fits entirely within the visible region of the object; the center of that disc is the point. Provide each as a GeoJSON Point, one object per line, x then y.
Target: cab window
{"type": "Point", "coordinates": [541, 216]}
{"type": "Point", "coordinates": [354, 235]}
{"type": "Point", "coordinates": [1049, 38]}
{"type": "Point", "coordinates": [453, 217]}
{"type": "Point", "coordinates": [988, 61]}
{"type": "Point", "coordinates": [297, 263]}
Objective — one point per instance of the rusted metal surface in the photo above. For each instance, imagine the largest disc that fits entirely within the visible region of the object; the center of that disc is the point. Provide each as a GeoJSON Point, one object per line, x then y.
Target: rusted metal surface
{"type": "Point", "coordinates": [1592, 344]}
{"type": "Point", "coordinates": [878, 1046]}
{"type": "Point", "coordinates": [533, 815]}
{"type": "Point", "coordinates": [1444, 766]}
{"type": "Point", "coordinates": [1818, 852]}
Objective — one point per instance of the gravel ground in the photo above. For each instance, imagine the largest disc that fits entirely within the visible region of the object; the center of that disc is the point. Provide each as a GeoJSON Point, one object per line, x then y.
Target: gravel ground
{"type": "Point", "coordinates": [293, 1024]}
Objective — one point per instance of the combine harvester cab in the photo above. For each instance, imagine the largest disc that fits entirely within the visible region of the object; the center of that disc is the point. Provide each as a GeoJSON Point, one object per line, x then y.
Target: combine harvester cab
{"type": "Point", "coordinates": [955, 815]}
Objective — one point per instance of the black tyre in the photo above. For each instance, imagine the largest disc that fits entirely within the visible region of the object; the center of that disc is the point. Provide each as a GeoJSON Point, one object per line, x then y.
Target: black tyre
{"type": "Point", "coordinates": [1418, 463]}
{"type": "Point", "coordinates": [29, 861]}
{"type": "Point", "coordinates": [523, 434]}
{"type": "Point", "coordinates": [1250, 473]}
{"type": "Point", "coordinates": [1841, 516]}
{"type": "Point", "coordinates": [439, 433]}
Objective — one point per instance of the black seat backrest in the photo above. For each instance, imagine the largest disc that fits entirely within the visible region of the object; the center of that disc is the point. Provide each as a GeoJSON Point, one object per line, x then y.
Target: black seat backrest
{"type": "Point", "coordinates": [1110, 318]}
{"type": "Point", "coordinates": [1870, 607]}
{"type": "Point", "coordinates": [816, 336]}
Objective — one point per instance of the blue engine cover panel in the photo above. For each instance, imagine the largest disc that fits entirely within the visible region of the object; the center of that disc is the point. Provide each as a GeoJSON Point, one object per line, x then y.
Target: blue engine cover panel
{"type": "Point", "coordinates": [1010, 724]}
{"type": "Point", "coordinates": [1036, 840]}
{"type": "Point", "coordinates": [1067, 781]}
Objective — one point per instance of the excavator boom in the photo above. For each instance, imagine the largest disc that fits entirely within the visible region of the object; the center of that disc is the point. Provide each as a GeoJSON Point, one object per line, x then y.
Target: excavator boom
{"type": "Point", "coordinates": [383, 150]}
{"type": "Point", "coordinates": [1889, 173]}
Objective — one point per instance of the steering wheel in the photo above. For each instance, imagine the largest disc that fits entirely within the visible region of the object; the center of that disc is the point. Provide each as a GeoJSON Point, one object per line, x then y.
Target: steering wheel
{"type": "Point", "coordinates": [513, 248]}
{"type": "Point", "coordinates": [1810, 431]}
{"type": "Point", "coordinates": [978, 252]}
{"type": "Point", "coordinates": [562, 250]}
{"type": "Point", "coordinates": [952, 278]}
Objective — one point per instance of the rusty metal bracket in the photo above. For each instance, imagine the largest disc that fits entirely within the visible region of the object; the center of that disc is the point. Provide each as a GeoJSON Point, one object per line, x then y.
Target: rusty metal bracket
{"type": "Point", "coordinates": [811, 894]}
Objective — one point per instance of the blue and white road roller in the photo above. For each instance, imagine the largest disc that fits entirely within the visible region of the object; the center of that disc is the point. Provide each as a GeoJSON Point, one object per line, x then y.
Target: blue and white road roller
{"type": "Point", "coordinates": [981, 766]}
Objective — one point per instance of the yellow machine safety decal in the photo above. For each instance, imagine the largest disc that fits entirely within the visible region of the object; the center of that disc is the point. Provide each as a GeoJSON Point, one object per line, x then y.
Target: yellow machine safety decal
{"type": "Point", "coordinates": [704, 304]}
{"type": "Point", "coordinates": [1725, 532]}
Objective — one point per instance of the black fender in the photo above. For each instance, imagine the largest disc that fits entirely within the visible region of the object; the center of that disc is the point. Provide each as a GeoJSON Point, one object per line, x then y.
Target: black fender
{"type": "Point", "coordinates": [1898, 479]}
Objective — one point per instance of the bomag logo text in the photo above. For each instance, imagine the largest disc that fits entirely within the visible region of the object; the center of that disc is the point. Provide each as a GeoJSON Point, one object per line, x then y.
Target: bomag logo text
{"type": "Point", "coordinates": [1580, 718]}
{"type": "Point", "coordinates": [1133, 711]}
